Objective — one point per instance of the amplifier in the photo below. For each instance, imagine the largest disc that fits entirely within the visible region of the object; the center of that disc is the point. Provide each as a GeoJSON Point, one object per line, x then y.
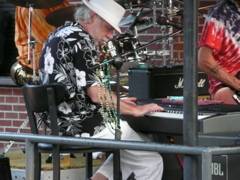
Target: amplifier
{"type": "Point", "coordinates": [162, 82]}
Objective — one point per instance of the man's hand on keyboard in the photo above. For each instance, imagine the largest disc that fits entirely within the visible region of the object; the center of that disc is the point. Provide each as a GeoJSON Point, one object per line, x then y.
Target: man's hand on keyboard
{"type": "Point", "coordinates": [147, 108]}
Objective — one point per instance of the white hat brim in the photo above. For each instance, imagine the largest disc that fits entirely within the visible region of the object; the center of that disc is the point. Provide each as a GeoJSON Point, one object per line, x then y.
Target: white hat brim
{"type": "Point", "coordinates": [106, 12]}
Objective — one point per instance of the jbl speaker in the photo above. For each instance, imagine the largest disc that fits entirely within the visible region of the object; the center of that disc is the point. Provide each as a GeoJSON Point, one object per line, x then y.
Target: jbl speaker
{"type": "Point", "coordinates": [5, 172]}
{"type": "Point", "coordinates": [161, 82]}
{"type": "Point", "coordinates": [224, 167]}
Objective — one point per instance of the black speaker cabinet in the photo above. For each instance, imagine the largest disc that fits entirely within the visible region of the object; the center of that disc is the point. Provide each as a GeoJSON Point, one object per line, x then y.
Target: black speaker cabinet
{"type": "Point", "coordinates": [224, 167]}
{"type": "Point", "coordinates": [5, 172]}
{"type": "Point", "coordinates": [161, 82]}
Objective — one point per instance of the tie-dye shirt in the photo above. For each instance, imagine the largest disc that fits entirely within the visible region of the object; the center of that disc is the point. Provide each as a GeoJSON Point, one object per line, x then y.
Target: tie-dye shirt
{"type": "Point", "coordinates": [221, 32]}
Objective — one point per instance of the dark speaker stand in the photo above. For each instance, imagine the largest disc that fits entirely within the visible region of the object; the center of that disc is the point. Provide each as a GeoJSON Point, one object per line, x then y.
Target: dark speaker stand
{"type": "Point", "coordinates": [118, 61]}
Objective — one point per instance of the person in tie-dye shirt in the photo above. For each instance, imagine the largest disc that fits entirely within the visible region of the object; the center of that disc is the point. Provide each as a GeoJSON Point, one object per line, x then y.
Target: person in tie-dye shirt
{"type": "Point", "coordinates": [219, 50]}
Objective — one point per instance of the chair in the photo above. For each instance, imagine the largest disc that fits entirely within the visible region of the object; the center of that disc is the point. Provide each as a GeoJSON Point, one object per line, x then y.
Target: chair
{"type": "Point", "coordinates": [45, 98]}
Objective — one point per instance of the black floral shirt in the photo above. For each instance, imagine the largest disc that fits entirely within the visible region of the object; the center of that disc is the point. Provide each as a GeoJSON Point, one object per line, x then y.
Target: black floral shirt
{"type": "Point", "coordinates": [67, 57]}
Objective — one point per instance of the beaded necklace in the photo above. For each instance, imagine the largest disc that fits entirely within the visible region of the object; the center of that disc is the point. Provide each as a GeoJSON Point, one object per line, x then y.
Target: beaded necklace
{"type": "Point", "coordinates": [109, 114]}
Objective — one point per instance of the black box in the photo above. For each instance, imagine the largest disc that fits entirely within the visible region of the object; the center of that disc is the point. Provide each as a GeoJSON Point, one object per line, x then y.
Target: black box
{"type": "Point", "coordinates": [161, 82]}
{"type": "Point", "coordinates": [5, 172]}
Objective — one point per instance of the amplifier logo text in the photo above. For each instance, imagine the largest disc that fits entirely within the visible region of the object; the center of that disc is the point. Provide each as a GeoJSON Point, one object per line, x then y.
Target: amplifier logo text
{"type": "Point", "coordinates": [179, 85]}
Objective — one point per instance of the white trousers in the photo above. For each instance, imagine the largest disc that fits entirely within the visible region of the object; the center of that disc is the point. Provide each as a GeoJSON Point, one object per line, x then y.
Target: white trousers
{"type": "Point", "coordinates": [146, 165]}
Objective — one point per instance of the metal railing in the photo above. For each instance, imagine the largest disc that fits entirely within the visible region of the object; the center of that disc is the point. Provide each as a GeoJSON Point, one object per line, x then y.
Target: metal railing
{"type": "Point", "coordinates": [206, 153]}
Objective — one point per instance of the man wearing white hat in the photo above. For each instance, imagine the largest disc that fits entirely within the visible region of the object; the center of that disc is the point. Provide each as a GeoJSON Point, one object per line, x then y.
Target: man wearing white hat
{"type": "Point", "coordinates": [67, 58]}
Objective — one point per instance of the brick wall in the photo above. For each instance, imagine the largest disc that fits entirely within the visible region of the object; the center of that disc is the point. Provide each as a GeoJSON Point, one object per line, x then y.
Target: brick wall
{"type": "Point", "coordinates": [12, 109]}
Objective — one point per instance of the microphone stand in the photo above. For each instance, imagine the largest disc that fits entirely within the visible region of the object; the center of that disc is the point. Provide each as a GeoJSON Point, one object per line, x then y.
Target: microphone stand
{"type": "Point", "coordinates": [118, 62]}
{"type": "Point", "coordinates": [31, 44]}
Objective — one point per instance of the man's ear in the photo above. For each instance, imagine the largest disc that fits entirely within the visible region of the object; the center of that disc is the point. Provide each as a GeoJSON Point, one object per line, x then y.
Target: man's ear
{"type": "Point", "coordinates": [92, 16]}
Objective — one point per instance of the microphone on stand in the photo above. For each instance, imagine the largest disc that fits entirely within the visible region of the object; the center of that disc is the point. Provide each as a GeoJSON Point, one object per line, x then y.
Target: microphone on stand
{"type": "Point", "coordinates": [162, 20]}
{"type": "Point", "coordinates": [135, 21]}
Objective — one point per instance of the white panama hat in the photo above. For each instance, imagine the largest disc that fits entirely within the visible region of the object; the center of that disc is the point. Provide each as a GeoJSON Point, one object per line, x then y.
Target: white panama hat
{"type": "Point", "coordinates": [109, 10]}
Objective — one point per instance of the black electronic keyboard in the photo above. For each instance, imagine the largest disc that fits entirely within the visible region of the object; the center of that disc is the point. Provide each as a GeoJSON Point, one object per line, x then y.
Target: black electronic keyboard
{"type": "Point", "coordinates": [212, 119]}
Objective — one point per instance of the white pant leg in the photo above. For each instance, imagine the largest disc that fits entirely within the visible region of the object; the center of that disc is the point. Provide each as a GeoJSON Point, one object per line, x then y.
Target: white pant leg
{"type": "Point", "coordinates": [146, 165]}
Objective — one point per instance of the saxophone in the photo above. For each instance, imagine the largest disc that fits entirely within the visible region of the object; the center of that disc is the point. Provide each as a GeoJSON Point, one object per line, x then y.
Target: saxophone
{"type": "Point", "coordinates": [22, 75]}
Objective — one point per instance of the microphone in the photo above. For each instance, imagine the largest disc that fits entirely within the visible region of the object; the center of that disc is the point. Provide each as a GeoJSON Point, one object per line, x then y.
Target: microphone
{"type": "Point", "coordinates": [136, 20]}
{"type": "Point", "coordinates": [162, 20]}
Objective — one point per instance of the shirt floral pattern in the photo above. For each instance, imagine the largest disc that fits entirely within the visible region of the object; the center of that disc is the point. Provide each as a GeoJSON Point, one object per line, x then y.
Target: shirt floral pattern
{"type": "Point", "coordinates": [67, 57]}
